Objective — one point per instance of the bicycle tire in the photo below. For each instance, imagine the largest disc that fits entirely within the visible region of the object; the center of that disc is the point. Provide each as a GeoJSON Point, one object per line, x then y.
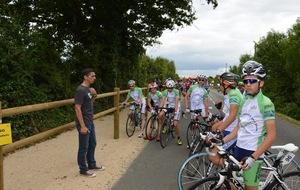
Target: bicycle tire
{"type": "Point", "coordinates": [209, 183]}
{"type": "Point", "coordinates": [193, 169]}
{"type": "Point", "coordinates": [130, 127]}
{"type": "Point", "coordinates": [164, 134]}
{"type": "Point", "coordinates": [152, 127]}
{"type": "Point", "coordinates": [291, 179]}
{"type": "Point", "coordinates": [191, 133]}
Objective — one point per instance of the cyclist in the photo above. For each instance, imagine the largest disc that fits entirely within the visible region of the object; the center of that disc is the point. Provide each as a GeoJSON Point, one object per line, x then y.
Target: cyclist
{"type": "Point", "coordinates": [232, 98]}
{"type": "Point", "coordinates": [137, 95]}
{"type": "Point", "coordinates": [154, 98]}
{"type": "Point", "coordinates": [256, 130]}
{"type": "Point", "coordinates": [172, 97]}
{"type": "Point", "coordinates": [198, 98]}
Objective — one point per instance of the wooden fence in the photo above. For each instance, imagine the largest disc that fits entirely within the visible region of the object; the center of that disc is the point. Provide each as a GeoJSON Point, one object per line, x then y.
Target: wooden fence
{"type": "Point", "coordinates": [43, 106]}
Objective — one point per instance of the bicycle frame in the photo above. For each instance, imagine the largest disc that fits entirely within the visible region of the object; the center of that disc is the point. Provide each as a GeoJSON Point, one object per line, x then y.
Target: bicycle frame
{"type": "Point", "coordinates": [134, 115]}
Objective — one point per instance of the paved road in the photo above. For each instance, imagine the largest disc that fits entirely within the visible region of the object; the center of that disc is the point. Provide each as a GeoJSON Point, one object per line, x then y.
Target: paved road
{"type": "Point", "coordinates": [157, 168]}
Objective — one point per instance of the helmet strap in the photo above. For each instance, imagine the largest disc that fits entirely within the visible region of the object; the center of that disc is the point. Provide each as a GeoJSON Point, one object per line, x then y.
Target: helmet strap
{"type": "Point", "coordinates": [225, 88]}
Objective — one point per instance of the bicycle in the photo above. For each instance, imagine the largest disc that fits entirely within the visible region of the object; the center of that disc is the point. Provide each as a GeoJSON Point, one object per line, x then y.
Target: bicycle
{"type": "Point", "coordinates": [198, 166]}
{"type": "Point", "coordinates": [274, 180]}
{"type": "Point", "coordinates": [133, 120]}
{"type": "Point", "coordinates": [167, 127]}
{"type": "Point", "coordinates": [195, 127]}
{"type": "Point", "coordinates": [152, 125]}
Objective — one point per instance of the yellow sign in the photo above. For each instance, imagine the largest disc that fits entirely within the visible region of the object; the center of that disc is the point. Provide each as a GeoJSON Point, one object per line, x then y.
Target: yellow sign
{"type": "Point", "coordinates": [5, 134]}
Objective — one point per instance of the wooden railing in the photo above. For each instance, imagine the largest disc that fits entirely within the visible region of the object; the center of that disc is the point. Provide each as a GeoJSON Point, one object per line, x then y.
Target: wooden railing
{"type": "Point", "coordinates": [43, 106]}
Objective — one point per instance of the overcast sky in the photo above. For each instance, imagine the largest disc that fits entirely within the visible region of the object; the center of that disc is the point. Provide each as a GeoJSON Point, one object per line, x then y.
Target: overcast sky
{"type": "Point", "coordinates": [222, 35]}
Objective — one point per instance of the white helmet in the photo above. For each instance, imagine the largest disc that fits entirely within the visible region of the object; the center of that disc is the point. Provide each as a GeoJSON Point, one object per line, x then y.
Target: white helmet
{"type": "Point", "coordinates": [253, 68]}
{"type": "Point", "coordinates": [170, 84]}
{"type": "Point", "coordinates": [131, 83]}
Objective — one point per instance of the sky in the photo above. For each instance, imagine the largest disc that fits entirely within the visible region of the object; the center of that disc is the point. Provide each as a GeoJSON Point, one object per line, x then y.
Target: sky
{"type": "Point", "coordinates": [217, 39]}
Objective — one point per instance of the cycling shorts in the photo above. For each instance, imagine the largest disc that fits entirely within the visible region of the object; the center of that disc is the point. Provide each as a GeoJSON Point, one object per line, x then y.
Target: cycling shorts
{"type": "Point", "coordinates": [251, 177]}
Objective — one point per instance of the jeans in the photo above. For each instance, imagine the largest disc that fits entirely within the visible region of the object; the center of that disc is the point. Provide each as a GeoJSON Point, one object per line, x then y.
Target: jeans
{"type": "Point", "coordinates": [86, 150]}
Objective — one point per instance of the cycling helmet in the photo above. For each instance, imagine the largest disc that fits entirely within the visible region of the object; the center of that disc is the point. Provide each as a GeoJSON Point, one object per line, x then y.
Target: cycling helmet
{"type": "Point", "coordinates": [131, 83]}
{"type": "Point", "coordinates": [170, 84]}
{"type": "Point", "coordinates": [152, 85]}
{"type": "Point", "coordinates": [168, 80]}
{"type": "Point", "coordinates": [241, 83]}
{"type": "Point", "coordinates": [229, 78]}
{"type": "Point", "coordinates": [203, 77]}
{"type": "Point", "coordinates": [253, 68]}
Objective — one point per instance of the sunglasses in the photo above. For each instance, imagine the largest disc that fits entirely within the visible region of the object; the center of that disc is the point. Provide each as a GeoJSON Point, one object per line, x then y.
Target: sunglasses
{"type": "Point", "coordinates": [251, 81]}
{"type": "Point", "coordinates": [202, 80]}
{"type": "Point", "coordinates": [131, 86]}
{"type": "Point", "coordinates": [170, 88]}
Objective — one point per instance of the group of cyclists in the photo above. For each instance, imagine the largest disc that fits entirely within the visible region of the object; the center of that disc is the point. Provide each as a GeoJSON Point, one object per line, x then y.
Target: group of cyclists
{"type": "Point", "coordinates": [192, 90]}
{"type": "Point", "coordinates": [248, 123]}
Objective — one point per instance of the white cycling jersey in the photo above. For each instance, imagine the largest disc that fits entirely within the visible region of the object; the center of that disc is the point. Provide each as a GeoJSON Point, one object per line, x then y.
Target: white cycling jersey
{"type": "Point", "coordinates": [197, 96]}
{"type": "Point", "coordinates": [254, 111]}
{"type": "Point", "coordinates": [155, 97]}
{"type": "Point", "coordinates": [135, 95]}
{"type": "Point", "coordinates": [171, 97]}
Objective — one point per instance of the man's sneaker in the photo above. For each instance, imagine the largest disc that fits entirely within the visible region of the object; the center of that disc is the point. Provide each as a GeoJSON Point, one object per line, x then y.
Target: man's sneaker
{"type": "Point", "coordinates": [179, 142]}
{"type": "Point", "coordinates": [140, 135]}
{"type": "Point", "coordinates": [88, 174]}
{"type": "Point", "coordinates": [97, 168]}
{"type": "Point", "coordinates": [145, 137]}
{"type": "Point", "coordinates": [158, 138]}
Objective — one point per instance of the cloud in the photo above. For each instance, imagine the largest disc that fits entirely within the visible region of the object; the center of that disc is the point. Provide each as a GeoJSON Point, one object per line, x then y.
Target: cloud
{"type": "Point", "coordinates": [222, 35]}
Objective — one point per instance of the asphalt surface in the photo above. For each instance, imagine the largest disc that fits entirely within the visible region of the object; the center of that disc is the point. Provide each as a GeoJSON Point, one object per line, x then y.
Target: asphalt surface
{"type": "Point", "coordinates": [157, 168]}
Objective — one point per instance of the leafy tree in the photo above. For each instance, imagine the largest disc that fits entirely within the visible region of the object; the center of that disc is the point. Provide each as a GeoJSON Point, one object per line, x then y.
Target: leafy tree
{"type": "Point", "coordinates": [269, 52]}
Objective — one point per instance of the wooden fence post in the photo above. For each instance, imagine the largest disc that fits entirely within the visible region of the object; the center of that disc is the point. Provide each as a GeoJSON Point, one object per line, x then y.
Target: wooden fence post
{"type": "Point", "coordinates": [116, 113]}
{"type": "Point", "coordinates": [1, 156]}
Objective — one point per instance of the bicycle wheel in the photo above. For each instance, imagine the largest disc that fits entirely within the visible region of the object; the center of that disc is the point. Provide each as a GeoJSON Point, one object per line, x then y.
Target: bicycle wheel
{"type": "Point", "coordinates": [290, 180]}
{"type": "Point", "coordinates": [130, 127]}
{"type": "Point", "coordinates": [192, 131]}
{"type": "Point", "coordinates": [152, 127]}
{"type": "Point", "coordinates": [210, 182]}
{"type": "Point", "coordinates": [193, 169]}
{"type": "Point", "coordinates": [164, 134]}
